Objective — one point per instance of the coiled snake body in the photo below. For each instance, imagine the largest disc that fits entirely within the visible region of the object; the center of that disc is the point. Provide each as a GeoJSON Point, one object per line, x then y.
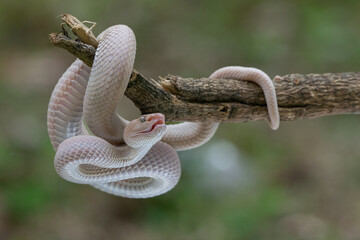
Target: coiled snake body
{"type": "Point", "coordinates": [134, 159]}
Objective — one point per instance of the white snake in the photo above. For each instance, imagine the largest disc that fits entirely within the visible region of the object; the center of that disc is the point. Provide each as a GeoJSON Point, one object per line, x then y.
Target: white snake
{"type": "Point", "coordinates": [124, 158]}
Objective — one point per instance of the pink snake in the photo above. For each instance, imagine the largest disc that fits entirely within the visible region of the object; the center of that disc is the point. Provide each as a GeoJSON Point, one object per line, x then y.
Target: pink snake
{"type": "Point", "coordinates": [134, 159]}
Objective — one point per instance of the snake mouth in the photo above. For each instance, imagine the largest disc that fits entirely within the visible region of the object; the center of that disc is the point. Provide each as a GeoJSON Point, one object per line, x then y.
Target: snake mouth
{"type": "Point", "coordinates": [156, 120]}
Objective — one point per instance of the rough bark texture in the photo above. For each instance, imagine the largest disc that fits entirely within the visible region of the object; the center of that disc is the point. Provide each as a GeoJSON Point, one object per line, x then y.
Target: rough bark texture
{"type": "Point", "coordinates": [300, 96]}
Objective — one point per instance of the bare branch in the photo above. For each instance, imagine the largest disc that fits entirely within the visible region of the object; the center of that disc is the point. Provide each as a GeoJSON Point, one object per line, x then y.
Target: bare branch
{"type": "Point", "coordinates": [300, 96]}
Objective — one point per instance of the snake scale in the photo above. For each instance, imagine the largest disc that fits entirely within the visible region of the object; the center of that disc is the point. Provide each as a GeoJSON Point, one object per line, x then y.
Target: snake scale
{"type": "Point", "coordinates": [135, 159]}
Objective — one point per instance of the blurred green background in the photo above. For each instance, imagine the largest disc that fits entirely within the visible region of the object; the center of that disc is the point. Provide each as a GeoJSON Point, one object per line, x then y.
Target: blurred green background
{"type": "Point", "coordinates": [248, 182]}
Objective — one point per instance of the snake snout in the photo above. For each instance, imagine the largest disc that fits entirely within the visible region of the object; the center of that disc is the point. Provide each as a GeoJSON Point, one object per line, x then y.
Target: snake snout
{"type": "Point", "coordinates": [157, 117]}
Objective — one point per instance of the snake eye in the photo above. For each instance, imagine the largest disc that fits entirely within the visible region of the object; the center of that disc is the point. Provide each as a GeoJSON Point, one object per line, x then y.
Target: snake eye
{"type": "Point", "coordinates": [142, 119]}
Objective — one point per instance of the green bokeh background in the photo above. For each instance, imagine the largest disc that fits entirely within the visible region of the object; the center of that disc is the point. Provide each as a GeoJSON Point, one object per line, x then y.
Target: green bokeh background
{"type": "Point", "coordinates": [248, 182]}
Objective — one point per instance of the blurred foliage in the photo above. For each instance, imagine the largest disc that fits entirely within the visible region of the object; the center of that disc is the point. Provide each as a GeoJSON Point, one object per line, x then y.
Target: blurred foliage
{"type": "Point", "coordinates": [301, 182]}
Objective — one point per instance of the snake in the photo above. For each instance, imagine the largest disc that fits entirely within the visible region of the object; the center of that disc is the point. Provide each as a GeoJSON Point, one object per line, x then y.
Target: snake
{"type": "Point", "coordinates": [133, 159]}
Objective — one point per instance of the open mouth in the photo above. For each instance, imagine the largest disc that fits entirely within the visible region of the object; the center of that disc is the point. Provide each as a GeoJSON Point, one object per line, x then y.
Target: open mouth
{"type": "Point", "coordinates": [157, 121]}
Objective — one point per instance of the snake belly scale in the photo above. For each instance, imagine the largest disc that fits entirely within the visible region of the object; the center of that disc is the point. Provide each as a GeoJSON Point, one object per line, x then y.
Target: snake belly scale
{"type": "Point", "coordinates": [135, 159]}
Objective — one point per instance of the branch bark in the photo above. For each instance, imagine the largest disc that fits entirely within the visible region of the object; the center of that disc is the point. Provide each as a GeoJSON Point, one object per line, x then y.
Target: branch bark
{"type": "Point", "coordinates": [300, 96]}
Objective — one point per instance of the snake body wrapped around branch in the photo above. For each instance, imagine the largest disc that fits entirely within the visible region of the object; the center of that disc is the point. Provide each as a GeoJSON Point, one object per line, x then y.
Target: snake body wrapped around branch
{"type": "Point", "coordinates": [135, 159]}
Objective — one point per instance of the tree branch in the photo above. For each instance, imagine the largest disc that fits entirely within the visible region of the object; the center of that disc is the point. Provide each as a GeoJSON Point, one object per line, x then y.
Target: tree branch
{"type": "Point", "coordinates": [195, 99]}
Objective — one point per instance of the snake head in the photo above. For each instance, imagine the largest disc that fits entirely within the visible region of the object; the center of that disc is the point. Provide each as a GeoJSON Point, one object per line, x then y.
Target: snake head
{"type": "Point", "coordinates": [147, 129]}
